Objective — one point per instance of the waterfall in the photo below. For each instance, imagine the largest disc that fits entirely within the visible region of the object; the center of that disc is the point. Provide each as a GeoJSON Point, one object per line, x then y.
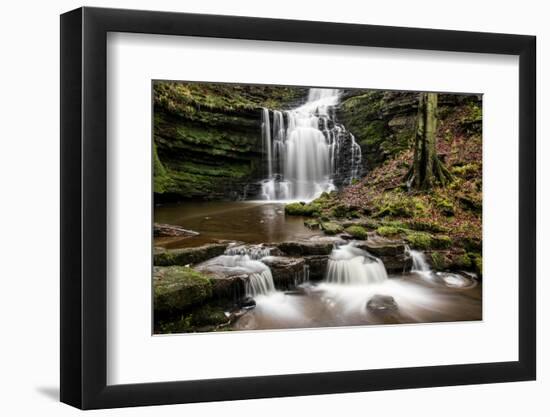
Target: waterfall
{"type": "Point", "coordinates": [306, 150]}
{"type": "Point", "coordinates": [236, 262]}
{"type": "Point", "coordinates": [351, 265]}
{"type": "Point", "coordinates": [260, 283]}
{"type": "Point", "coordinates": [419, 260]}
{"type": "Point", "coordinates": [266, 141]}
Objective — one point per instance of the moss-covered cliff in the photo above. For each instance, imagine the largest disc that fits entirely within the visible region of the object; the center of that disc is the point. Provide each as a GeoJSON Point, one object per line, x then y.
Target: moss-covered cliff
{"type": "Point", "coordinates": [383, 122]}
{"type": "Point", "coordinates": [206, 137]}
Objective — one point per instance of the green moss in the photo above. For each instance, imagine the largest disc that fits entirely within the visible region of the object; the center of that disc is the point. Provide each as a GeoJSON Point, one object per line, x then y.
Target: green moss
{"type": "Point", "coordinates": [439, 262]}
{"type": "Point", "coordinates": [186, 256]}
{"type": "Point", "coordinates": [419, 240]}
{"type": "Point", "coordinates": [400, 205]}
{"type": "Point", "coordinates": [478, 263]}
{"type": "Point", "coordinates": [341, 211]}
{"type": "Point", "coordinates": [301, 209]}
{"type": "Point", "coordinates": [440, 241]}
{"type": "Point", "coordinates": [208, 315]}
{"type": "Point", "coordinates": [425, 226]}
{"type": "Point", "coordinates": [466, 171]}
{"type": "Point", "coordinates": [445, 206]}
{"type": "Point", "coordinates": [161, 178]}
{"type": "Point", "coordinates": [388, 231]}
{"type": "Point", "coordinates": [311, 224]}
{"type": "Point", "coordinates": [463, 261]}
{"type": "Point", "coordinates": [177, 288]}
{"type": "Point", "coordinates": [331, 228]}
{"type": "Point", "coordinates": [357, 232]}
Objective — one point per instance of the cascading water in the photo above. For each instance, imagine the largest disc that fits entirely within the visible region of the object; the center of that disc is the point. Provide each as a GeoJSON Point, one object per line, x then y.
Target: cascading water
{"type": "Point", "coordinates": [420, 265]}
{"type": "Point", "coordinates": [254, 252]}
{"type": "Point", "coordinates": [351, 265]}
{"type": "Point", "coordinates": [304, 157]}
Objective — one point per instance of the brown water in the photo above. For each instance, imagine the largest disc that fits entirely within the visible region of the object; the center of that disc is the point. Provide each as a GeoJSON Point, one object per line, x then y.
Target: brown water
{"type": "Point", "coordinates": [245, 221]}
{"type": "Point", "coordinates": [419, 300]}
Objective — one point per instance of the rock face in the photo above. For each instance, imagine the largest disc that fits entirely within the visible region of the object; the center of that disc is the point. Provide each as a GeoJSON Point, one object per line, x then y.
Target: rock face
{"type": "Point", "coordinates": [317, 265]}
{"type": "Point", "coordinates": [383, 122]}
{"type": "Point", "coordinates": [317, 246]}
{"type": "Point", "coordinates": [170, 230]}
{"type": "Point", "coordinates": [178, 288]}
{"type": "Point", "coordinates": [391, 252]}
{"type": "Point", "coordinates": [286, 271]}
{"type": "Point", "coordinates": [381, 304]}
{"type": "Point", "coordinates": [187, 256]}
{"type": "Point", "coordinates": [207, 141]}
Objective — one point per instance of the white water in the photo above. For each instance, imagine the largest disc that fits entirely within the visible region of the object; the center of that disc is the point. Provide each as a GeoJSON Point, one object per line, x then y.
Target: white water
{"type": "Point", "coordinates": [420, 265]}
{"type": "Point", "coordinates": [302, 155]}
{"type": "Point", "coordinates": [254, 252]}
{"type": "Point", "coordinates": [260, 280]}
{"type": "Point", "coordinates": [350, 265]}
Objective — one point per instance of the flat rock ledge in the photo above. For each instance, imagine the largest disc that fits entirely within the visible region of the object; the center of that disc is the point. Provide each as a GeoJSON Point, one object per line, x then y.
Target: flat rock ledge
{"type": "Point", "coordinates": [188, 256]}
{"type": "Point", "coordinates": [171, 230]}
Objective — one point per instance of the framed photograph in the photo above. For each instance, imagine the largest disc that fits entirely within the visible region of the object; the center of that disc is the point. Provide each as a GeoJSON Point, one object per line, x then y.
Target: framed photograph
{"type": "Point", "coordinates": [256, 208]}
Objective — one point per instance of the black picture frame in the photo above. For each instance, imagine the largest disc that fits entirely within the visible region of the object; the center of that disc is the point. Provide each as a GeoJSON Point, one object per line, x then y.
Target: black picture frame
{"type": "Point", "coordinates": [84, 207]}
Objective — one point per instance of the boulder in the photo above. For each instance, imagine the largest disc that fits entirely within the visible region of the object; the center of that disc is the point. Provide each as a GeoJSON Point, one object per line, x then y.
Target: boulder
{"type": "Point", "coordinates": [314, 246]}
{"type": "Point", "coordinates": [187, 256]}
{"type": "Point", "coordinates": [397, 264]}
{"type": "Point", "coordinates": [380, 246]}
{"type": "Point", "coordinates": [286, 271]}
{"type": "Point", "coordinates": [247, 303]}
{"type": "Point", "coordinates": [381, 304]}
{"type": "Point", "coordinates": [317, 265]}
{"type": "Point", "coordinates": [171, 230]}
{"type": "Point", "coordinates": [177, 288]}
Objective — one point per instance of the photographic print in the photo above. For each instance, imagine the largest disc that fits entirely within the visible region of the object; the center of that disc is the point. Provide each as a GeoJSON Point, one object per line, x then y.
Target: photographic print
{"type": "Point", "coordinates": [281, 207]}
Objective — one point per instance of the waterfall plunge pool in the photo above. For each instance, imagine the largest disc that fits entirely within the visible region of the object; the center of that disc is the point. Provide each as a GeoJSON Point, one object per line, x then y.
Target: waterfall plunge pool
{"type": "Point", "coordinates": [243, 221]}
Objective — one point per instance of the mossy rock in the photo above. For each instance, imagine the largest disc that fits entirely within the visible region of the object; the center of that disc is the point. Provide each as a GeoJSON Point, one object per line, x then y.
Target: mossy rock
{"type": "Point", "coordinates": [419, 240]}
{"type": "Point", "coordinates": [400, 205]}
{"type": "Point", "coordinates": [343, 211]}
{"type": "Point", "coordinates": [446, 207]}
{"type": "Point", "coordinates": [177, 288]}
{"type": "Point", "coordinates": [204, 318]}
{"type": "Point", "coordinates": [477, 260]}
{"type": "Point", "coordinates": [331, 228]}
{"type": "Point", "coordinates": [311, 224]}
{"type": "Point", "coordinates": [357, 232]}
{"type": "Point", "coordinates": [440, 241]}
{"type": "Point", "coordinates": [302, 209]}
{"type": "Point", "coordinates": [462, 261]}
{"type": "Point", "coordinates": [439, 261]}
{"type": "Point", "coordinates": [187, 256]}
{"type": "Point", "coordinates": [388, 231]}
{"type": "Point", "coordinates": [425, 226]}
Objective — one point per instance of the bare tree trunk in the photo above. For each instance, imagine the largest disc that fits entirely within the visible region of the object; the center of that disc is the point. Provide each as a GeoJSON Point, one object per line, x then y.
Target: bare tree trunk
{"type": "Point", "coordinates": [427, 169]}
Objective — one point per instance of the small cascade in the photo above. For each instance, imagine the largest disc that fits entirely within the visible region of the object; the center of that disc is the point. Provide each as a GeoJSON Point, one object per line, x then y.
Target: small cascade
{"type": "Point", "coordinates": [351, 265]}
{"type": "Point", "coordinates": [260, 283]}
{"type": "Point", "coordinates": [419, 261]}
{"type": "Point", "coordinates": [306, 150]}
{"type": "Point", "coordinates": [254, 252]}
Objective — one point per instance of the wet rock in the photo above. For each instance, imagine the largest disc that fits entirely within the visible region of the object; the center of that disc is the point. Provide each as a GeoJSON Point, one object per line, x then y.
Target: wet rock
{"type": "Point", "coordinates": [187, 256]}
{"type": "Point", "coordinates": [317, 266]}
{"type": "Point", "coordinates": [247, 303]}
{"type": "Point", "coordinates": [317, 246]}
{"type": "Point", "coordinates": [380, 246]}
{"type": "Point", "coordinates": [177, 288]}
{"type": "Point", "coordinates": [171, 230]}
{"type": "Point", "coordinates": [381, 303]}
{"type": "Point", "coordinates": [286, 271]}
{"type": "Point", "coordinates": [397, 264]}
